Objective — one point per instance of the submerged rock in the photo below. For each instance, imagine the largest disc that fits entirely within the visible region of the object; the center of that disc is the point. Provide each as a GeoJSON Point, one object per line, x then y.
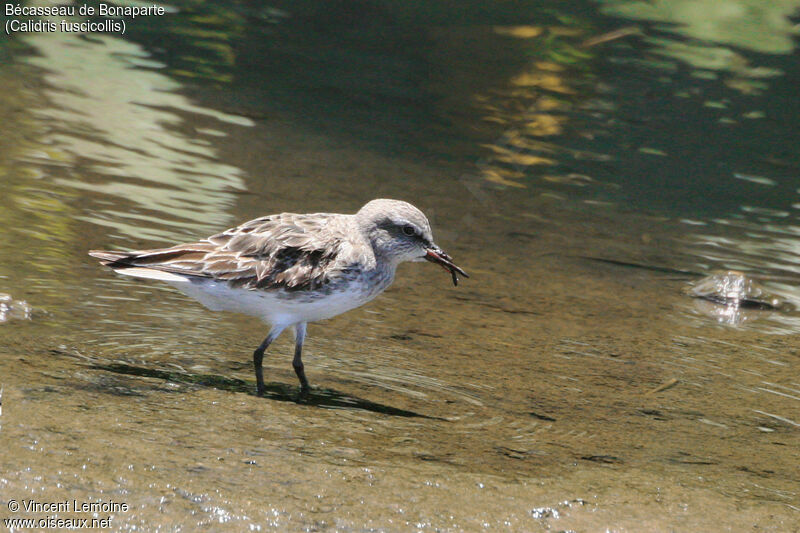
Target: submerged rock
{"type": "Point", "coordinates": [732, 288]}
{"type": "Point", "coordinates": [11, 309]}
{"type": "Point", "coordinates": [734, 298]}
{"type": "Point", "coordinates": [736, 288]}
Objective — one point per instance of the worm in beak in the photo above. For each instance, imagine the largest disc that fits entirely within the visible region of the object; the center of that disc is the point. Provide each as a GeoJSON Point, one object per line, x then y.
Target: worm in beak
{"type": "Point", "coordinates": [437, 255]}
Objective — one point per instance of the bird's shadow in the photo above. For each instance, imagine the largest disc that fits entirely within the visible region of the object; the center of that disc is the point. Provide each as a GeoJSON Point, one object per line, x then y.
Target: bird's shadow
{"type": "Point", "coordinates": [324, 398]}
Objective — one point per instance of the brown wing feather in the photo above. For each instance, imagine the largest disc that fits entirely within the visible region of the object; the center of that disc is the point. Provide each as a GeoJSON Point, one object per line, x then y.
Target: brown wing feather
{"type": "Point", "coordinates": [293, 252]}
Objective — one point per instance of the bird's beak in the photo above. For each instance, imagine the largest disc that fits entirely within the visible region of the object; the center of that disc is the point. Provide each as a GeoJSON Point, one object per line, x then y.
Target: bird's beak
{"type": "Point", "coordinates": [434, 254]}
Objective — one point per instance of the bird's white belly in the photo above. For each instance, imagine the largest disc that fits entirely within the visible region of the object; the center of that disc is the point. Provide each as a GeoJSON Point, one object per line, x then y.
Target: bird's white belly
{"type": "Point", "coordinates": [274, 307]}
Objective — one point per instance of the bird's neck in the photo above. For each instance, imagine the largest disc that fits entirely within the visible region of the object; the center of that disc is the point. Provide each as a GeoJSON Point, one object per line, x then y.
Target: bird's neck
{"type": "Point", "coordinates": [378, 241]}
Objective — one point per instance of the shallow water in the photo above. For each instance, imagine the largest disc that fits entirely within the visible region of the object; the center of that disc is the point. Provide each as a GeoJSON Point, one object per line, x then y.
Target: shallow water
{"type": "Point", "coordinates": [585, 184]}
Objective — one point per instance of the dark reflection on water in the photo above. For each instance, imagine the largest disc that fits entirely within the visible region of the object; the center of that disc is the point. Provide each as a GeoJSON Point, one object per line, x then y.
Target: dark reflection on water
{"type": "Point", "coordinates": [588, 163]}
{"type": "Point", "coordinates": [609, 124]}
{"type": "Point", "coordinates": [617, 119]}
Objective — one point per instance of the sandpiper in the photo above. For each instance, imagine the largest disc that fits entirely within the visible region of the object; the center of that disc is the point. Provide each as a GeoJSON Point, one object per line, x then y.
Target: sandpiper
{"type": "Point", "coordinates": [291, 269]}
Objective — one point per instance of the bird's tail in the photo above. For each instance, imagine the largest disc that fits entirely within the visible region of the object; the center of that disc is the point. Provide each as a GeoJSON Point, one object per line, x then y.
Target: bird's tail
{"type": "Point", "coordinates": [135, 264]}
{"type": "Point", "coordinates": [112, 259]}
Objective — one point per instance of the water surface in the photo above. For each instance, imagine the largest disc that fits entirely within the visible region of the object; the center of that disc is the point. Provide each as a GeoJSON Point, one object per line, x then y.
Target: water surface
{"type": "Point", "coordinates": [584, 183]}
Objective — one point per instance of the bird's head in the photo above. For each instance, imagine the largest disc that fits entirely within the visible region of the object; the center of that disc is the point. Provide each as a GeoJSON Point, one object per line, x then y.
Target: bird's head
{"type": "Point", "coordinates": [400, 232]}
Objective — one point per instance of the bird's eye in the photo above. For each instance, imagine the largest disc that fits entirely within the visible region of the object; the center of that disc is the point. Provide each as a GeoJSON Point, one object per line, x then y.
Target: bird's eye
{"type": "Point", "coordinates": [409, 230]}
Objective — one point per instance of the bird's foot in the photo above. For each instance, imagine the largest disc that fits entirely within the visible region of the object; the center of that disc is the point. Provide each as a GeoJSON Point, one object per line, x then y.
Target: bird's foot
{"type": "Point", "coordinates": [303, 394]}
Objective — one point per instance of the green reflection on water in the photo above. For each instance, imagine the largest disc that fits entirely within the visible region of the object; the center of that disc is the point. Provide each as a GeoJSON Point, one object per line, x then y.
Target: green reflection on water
{"type": "Point", "coordinates": [717, 30]}
{"type": "Point", "coordinates": [121, 135]}
{"type": "Point", "coordinates": [757, 25]}
{"type": "Point", "coordinates": [97, 136]}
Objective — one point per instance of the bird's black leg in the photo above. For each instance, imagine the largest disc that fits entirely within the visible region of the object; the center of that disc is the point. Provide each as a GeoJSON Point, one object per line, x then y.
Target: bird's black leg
{"type": "Point", "coordinates": [258, 358]}
{"type": "Point", "coordinates": [297, 362]}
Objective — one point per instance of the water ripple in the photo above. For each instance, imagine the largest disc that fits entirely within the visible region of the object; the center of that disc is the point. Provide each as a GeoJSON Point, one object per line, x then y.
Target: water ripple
{"type": "Point", "coordinates": [128, 129]}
